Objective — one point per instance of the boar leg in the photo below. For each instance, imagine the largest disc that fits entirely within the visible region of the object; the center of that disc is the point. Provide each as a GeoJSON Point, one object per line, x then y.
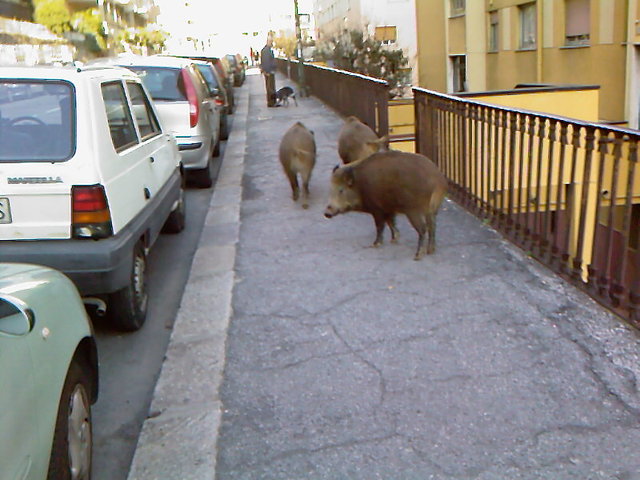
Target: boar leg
{"type": "Point", "coordinates": [391, 221]}
{"type": "Point", "coordinates": [419, 223]}
{"type": "Point", "coordinates": [293, 180]}
{"type": "Point", "coordinates": [431, 227]}
{"type": "Point", "coordinates": [305, 190]}
{"type": "Point", "coordinates": [380, 220]}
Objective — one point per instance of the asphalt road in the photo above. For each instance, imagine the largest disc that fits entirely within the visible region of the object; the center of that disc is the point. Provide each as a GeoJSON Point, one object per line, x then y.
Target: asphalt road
{"type": "Point", "coordinates": [130, 363]}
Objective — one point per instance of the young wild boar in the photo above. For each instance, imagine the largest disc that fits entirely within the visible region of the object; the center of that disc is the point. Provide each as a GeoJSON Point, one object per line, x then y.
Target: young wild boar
{"type": "Point", "coordinates": [357, 141]}
{"type": "Point", "coordinates": [298, 157]}
{"type": "Point", "coordinates": [388, 183]}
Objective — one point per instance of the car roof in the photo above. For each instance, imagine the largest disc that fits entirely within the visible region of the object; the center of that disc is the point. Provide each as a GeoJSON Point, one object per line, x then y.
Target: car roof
{"type": "Point", "coordinates": [70, 73]}
{"type": "Point", "coordinates": [144, 61]}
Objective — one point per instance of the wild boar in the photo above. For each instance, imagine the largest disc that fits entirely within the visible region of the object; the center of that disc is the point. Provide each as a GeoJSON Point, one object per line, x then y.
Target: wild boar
{"type": "Point", "coordinates": [357, 141]}
{"type": "Point", "coordinates": [387, 183]}
{"type": "Point", "coordinates": [298, 157]}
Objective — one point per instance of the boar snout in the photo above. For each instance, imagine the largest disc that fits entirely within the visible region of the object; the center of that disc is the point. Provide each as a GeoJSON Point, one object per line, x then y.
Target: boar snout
{"type": "Point", "coordinates": [330, 212]}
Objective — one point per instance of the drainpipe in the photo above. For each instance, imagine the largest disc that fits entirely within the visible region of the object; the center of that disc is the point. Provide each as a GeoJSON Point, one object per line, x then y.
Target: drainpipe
{"type": "Point", "coordinates": [539, 41]}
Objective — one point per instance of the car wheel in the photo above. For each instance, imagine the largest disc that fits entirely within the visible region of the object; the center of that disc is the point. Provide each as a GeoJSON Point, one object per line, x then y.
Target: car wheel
{"type": "Point", "coordinates": [202, 177]}
{"type": "Point", "coordinates": [216, 149]}
{"type": "Point", "coordinates": [72, 441]}
{"type": "Point", "coordinates": [224, 127]}
{"type": "Point", "coordinates": [128, 306]}
{"type": "Point", "coordinates": [176, 220]}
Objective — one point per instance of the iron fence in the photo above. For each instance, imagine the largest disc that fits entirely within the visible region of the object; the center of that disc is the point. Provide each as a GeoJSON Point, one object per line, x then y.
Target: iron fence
{"type": "Point", "coordinates": [566, 191]}
{"type": "Point", "coordinates": [346, 92]}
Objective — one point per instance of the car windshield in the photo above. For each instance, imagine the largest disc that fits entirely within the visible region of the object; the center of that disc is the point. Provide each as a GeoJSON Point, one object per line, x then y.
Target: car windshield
{"type": "Point", "coordinates": [37, 120]}
{"type": "Point", "coordinates": [209, 76]}
{"type": "Point", "coordinates": [163, 83]}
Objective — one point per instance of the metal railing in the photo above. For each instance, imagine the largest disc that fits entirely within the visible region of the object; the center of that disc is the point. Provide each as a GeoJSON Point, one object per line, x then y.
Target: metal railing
{"type": "Point", "coordinates": [566, 191]}
{"type": "Point", "coordinates": [346, 92]}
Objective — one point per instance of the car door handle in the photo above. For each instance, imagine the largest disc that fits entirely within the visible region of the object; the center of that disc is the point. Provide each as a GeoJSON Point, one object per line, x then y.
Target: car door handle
{"type": "Point", "coordinates": [151, 159]}
{"type": "Point", "coordinates": [147, 193]}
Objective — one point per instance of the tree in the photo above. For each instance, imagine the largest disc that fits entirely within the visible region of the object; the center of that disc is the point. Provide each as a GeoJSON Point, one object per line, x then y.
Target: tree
{"type": "Point", "coordinates": [286, 44]}
{"type": "Point", "coordinates": [89, 22]}
{"type": "Point", "coordinates": [355, 52]}
{"type": "Point", "coordinates": [53, 14]}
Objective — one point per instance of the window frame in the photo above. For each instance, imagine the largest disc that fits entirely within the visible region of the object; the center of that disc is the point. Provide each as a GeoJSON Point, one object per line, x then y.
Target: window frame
{"type": "Point", "coordinates": [148, 107]}
{"type": "Point", "coordinates": [127, 112]}
{"type": "Point", "coordinates": [523, 9]}
{"type": "Point", "coordinates": [493, 43]}
{"type": "Point", "coordinates": [456, 79]}
{"type": "Point", "coordinates": [457, 8]}
{"type": "Point", "coordinates": [577, 39]}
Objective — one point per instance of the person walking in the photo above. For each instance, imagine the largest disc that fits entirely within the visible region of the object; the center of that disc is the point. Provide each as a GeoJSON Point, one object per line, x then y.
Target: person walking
{"type": "Point", "coordinates": [268, 69]}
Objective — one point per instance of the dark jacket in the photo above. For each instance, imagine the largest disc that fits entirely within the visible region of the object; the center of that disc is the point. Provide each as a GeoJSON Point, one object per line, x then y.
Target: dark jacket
{"type": "Point", "coordinates": [267, 61]}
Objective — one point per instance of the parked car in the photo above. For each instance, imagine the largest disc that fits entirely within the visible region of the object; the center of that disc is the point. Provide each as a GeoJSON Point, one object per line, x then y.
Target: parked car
{"type": "Point", "coordinates": [225, 81]}
{"type": "Point", "coordinates": [49, 376]}
{"type": "Point", "coordinates": [238, 68]}
{"type": "Point", "coordinates": [217, 90]}
{"type": "Point", "coordinates": [89, 176]}
{"type": "Point", "coordinates": [182, 99]}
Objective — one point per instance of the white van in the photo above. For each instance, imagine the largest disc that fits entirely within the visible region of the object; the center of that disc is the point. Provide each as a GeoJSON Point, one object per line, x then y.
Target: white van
{"type": "Point", "coordinates": [88, 178]}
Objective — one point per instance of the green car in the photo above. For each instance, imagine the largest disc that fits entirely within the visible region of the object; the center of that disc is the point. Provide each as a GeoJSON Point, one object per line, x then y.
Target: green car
{"type": "Point", "coordinates": [48, 376]}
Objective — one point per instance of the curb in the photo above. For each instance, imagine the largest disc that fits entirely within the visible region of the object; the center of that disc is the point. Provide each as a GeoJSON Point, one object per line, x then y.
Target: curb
{"type": "Point", "coordinates": [179, 436]}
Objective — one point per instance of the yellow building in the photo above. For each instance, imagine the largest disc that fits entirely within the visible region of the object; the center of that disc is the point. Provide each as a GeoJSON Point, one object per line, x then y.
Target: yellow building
{"type": "Point", "coordinates": [485, 45]}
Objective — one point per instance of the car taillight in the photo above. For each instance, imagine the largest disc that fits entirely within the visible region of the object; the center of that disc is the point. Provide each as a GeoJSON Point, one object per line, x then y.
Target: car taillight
{"type": "Point", "coordinates": [91, 217]}
{"type": "Point", "coordinates": [192, 97]}
{"type": "Point", "coordinates": [219, 101]}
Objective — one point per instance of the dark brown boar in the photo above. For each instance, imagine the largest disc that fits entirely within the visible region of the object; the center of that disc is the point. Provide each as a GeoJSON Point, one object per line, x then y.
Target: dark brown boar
{"type": "Point", "coordinates": [357, 141]}
{"type": "Point", "coordinates": [387, 183]}
{"type": "Point", "coordinates": [298, 157]}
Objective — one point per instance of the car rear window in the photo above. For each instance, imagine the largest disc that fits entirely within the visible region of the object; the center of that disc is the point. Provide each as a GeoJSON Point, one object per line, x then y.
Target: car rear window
{"type": "Point", "coordinates": [207, 72]}
{"type": "Point", "coordinates": [163, 83]}
{"type": "Point", "coordinates": [37, 120]}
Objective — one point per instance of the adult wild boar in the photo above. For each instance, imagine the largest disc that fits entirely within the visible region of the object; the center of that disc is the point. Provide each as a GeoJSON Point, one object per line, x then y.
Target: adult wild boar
{"type": "Point", "coordinates": [387, 183]}
{"type": "Point", "coordinates": [357, 141]}
{"type": "Point", "coordinates": [298, 157]}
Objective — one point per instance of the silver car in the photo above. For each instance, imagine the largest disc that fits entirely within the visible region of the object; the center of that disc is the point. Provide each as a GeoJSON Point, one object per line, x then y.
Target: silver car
{"type": "Point", "coordinates": [182, 99]}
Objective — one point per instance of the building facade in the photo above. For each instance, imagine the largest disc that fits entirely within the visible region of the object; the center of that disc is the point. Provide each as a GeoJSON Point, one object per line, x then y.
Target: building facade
{"type": "Point", "coordinates": [393, 22]}
{"type": "Point", "coordinates": [481, 45]}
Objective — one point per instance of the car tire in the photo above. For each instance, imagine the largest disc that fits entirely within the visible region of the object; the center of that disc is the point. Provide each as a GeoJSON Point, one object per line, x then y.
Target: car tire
{"type": "Point", "coordinates": [176, 220]}
{"type": "Point", "coordinates": [127, 307]}
{"type": "Point", "coordinates": [216, 149]}
{"type": "Point", "coordinates": [202, 177]}
{"type": "Point", "coordinates": [224, 127]}
{"type": "Point", "coordinates": [72, 440]}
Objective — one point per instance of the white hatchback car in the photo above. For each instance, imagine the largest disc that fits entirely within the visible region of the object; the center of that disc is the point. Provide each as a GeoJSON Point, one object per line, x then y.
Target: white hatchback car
{"type": "Point", "coordinates": [89, 177]}
{"type": "Point", "coordinates": [185, 105]}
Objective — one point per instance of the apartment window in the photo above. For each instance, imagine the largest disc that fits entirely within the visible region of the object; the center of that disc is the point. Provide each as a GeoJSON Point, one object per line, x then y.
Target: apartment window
{"type": "Point", "coordinates": [457, 7]}
{"type": "Point", "coordinates": [493, 32]}
{"type": "Point", "coordinates": [527, 14]}
{"type": "Point", "coordinates": [459, 71]}
{"type": "Point", "coordinates": [386, 34]}
{"type": "Point", "coordinates": [577, 22]}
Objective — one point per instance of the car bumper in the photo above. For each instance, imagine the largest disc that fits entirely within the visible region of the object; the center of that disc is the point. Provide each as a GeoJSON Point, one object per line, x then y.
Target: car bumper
{"type": "Point", "coordinates": [97, 266]}
{"type": "Point", "coordinates": [195, 151]}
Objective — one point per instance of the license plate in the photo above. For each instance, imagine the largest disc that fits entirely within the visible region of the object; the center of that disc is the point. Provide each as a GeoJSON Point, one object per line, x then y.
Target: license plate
{"type": "Point", "coordinates": [5, 210]}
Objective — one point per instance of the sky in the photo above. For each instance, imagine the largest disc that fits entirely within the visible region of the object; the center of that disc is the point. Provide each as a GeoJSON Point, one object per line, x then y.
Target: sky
{"type": "Point", "coordinates": [235, 17]}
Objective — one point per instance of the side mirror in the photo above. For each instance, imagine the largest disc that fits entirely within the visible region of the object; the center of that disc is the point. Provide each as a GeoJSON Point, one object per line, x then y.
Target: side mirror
{"type": "Point", "coordinates": [214, 92]}
{"type": "Point", "coordinates": [16, 318]}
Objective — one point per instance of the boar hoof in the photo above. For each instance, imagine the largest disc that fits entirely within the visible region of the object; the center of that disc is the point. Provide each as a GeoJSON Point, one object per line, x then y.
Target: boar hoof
{"type": "Point", "coordinates": [305, 205]}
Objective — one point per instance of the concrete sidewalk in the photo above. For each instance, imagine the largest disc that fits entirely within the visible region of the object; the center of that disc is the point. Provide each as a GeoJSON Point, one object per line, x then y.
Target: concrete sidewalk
{"type": "Point", "coordinates": [342, 361]}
